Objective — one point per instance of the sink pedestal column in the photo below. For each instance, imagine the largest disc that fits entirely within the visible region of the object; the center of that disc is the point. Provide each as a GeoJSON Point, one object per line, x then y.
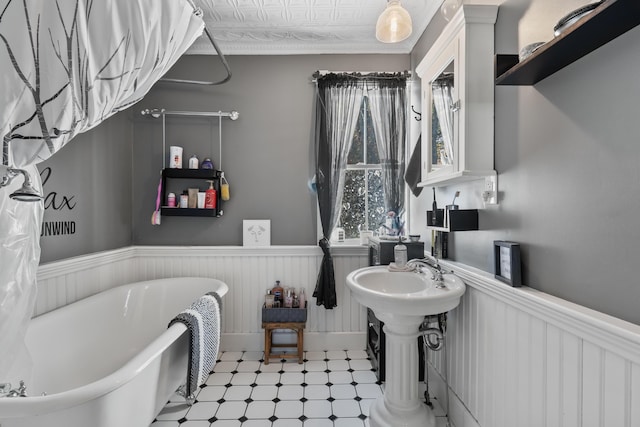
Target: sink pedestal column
{"type": "Point", "coordinates": [400, 405]}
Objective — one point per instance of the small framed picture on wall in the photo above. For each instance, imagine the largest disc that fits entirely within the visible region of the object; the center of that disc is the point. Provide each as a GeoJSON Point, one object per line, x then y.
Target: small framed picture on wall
{"type": "Point", "coordinates": [507, 262]}
{"type": "Point", "coordinates": [256, 232]}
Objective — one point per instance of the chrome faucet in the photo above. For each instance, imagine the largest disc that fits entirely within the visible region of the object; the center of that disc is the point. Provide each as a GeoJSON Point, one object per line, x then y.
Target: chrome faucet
{"type": "Point", "coordinates": [7, 391]}
{"type": "Point", "coordinates": [431, 264]}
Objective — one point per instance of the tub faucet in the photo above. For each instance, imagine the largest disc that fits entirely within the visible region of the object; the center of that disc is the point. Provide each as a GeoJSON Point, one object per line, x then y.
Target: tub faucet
{"type": "Point", "coordinates": [431, 264]}
{"type": "Point", "coordinates": [7, 391]}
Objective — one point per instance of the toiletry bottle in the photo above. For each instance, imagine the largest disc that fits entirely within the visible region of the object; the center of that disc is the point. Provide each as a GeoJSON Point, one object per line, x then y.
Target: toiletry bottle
{"type": "Point", "coordinates": [268, 301]}
{"type": "Point", "coordinates": [296, 301]}
{"type": "Point", "coordinates": [434, 209]}
{"type": "Point", "coordinates": [302, 298]}
{"type": "Point", "coordinates": [210, 197]}
{"type": "Point", "coordinates": [193, 162]}
{"type": "Point", "coordinates": [277, 292]}
{"type": "Point", "coordinates": [184, 199]}
{"type": "Point", "coordinates": [400, 254]}
{"type": "Point", "coordinates": [288, 299]}
{"type": "Point", "coordinates": [206, 164]}
{"type": "Point", "coordinates": [171, 200]}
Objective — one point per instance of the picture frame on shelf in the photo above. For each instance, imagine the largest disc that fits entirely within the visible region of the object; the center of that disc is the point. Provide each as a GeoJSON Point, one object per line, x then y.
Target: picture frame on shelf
{"type": "Point", "coordinates": [507, 262]}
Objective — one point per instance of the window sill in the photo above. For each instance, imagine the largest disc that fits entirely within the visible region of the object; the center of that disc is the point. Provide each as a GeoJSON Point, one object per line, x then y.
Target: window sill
{"type": "Point", "coordinates": [349, 247]}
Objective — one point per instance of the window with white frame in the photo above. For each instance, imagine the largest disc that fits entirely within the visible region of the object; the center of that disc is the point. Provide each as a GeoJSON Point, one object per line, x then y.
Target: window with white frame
{"type": "Point", "coordinates": [363, 199]}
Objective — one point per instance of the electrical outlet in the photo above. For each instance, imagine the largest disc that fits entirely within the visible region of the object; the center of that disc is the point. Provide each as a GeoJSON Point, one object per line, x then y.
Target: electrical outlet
{"type": "Point", "coordinates": [490, 192]}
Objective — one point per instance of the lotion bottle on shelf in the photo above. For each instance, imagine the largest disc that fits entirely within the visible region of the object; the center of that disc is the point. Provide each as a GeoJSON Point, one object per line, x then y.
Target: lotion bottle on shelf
{"type": "Point", "coordinates": [210, 197]}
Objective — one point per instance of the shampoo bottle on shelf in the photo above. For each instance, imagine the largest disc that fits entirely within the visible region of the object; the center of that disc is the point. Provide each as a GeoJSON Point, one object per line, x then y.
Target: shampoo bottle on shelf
{"type": "Point", "coordinates": [210, 197]}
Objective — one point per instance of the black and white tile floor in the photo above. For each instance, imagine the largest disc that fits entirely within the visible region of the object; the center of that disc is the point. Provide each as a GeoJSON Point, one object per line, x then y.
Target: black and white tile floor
{"type": "Point", "coordinates": [330, 389]}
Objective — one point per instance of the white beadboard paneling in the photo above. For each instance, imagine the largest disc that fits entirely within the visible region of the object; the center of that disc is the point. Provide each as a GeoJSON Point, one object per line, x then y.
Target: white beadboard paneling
{"type": "Point", "coordinates": [247, 271]}
{"type": "Point", "coordinates": [537, 345]}
{"type": "Point", "coordinates": [632, 397]}
{"type": "Point", "coordinates": [553, 377]}
{"type": "Point", "coordinates": [614, 390]}
{"type": "Point", "coordinates": [66, 281]}
{"type": "Point", "coordinates": [514, 356]}
{"type": "Point", "coordinates": [571, 368]}
{"type": "Point", "coordinates": [520, 357]}
{"type": "Point", "coordinates": [592, 383]}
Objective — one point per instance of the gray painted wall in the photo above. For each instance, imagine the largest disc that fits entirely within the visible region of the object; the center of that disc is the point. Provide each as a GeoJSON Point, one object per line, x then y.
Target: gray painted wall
{"type": "Point", "coordinates": [87, 189]}
{"type": "Point", "coordinates": [267, 154]}
{"type": "Point", "coordinates": [567, 156]}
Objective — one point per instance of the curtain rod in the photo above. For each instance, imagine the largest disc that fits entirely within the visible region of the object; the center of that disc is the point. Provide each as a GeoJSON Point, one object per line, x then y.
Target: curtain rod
{"type": "Point", "coordinates": [360, 74]}
{"type": "Point", "coordinates": [158, 112]}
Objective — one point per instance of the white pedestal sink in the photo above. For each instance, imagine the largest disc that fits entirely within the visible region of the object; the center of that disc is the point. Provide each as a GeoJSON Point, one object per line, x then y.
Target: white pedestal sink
{"type": "Point", "coordinates": [401, 300]}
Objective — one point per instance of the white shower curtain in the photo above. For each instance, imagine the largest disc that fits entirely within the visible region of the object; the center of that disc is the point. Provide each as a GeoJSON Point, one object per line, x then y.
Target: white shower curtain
{"type": "Point", "coordinates": [65, 66]}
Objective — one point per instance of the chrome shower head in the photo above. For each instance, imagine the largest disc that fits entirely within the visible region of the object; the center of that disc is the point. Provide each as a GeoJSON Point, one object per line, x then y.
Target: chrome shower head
{"type": "Point", "coordinates": [26, 193]}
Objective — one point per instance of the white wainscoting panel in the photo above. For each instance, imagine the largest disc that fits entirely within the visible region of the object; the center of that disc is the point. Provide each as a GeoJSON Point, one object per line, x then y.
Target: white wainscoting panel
{"type": "Point", "coordinates": [519, 357]}
{"type": "Point", "coordinates": [515, 356]}
{"type": "Point", "coordinates": [63, 282]}
{"type": "Point", "coordinates": [247, 271]}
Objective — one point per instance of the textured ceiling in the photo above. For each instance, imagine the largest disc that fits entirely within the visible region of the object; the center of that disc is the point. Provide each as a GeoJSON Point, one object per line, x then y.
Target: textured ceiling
{"type": "Point", "coordinates": [285, 27]}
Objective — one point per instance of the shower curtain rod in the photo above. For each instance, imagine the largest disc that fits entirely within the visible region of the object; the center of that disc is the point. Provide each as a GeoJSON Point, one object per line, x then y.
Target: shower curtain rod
{"type": "Point", "coordinates": [198, 12]}
{"type": "Point", "coordinates": [158, 112]}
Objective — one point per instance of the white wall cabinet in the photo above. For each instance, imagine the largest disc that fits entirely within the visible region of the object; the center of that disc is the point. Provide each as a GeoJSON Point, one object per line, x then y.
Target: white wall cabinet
{"type": "Point", "coordinates": [457, 99]}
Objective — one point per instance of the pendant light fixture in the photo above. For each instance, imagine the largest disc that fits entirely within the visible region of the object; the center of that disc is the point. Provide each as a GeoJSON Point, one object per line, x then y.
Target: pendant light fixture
{"type": "Point", "coordinates": [394, 23]}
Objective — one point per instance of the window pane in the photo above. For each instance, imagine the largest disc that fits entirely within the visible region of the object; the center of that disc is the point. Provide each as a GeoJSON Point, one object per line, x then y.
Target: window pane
{"type": "Point", "coordinates": [372, 148]}
{"type": "Point", "coordinates": [375, 200]}
{"type": "Point", "coordinates": [363, 201]}
{"type": "Point", "coordinates": [356, 152]}
{"type": "Point", "coordinates": [353, 203]}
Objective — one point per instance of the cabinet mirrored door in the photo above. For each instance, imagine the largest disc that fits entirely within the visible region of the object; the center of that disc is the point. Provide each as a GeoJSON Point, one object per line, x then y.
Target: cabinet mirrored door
{"type": "Point", "coordinates": [441, 94]}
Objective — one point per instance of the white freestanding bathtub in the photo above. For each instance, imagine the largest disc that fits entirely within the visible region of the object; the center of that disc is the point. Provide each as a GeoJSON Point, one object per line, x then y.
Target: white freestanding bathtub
{"type": "Point", "coordinates": [108, 360]}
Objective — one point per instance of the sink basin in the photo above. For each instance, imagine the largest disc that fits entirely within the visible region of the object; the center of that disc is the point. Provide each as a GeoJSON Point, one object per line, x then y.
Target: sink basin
{"type": "Point", "coordinates": [401, 300]}
{"type": "Point", "coordinates": [405, 293]}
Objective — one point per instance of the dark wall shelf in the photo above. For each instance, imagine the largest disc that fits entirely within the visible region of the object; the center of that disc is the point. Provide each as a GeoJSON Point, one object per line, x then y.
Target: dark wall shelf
{"type": "Point", "coordinates": [166, 211]}
{"type": "Point", "coordinates": [608, 21]}
{"type": "Point", "coordinates": [193, 174]}
{"type": "Point", "coordinates": [458, 220]}
{"type": "Point", "coordinates": [210, 174]}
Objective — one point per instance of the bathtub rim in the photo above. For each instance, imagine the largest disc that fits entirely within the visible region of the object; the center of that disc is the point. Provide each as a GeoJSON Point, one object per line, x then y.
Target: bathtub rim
{"type": "Point", "coordinates": [40, 405]}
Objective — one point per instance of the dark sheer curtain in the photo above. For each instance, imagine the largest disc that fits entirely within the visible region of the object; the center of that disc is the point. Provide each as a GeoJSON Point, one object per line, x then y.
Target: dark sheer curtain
{"type": "Point", "coordinates": [338, 101]}
{"type": "Point", "coordinates": [388, 104]}
{"type": "Point", "coordinates": [338, 104]}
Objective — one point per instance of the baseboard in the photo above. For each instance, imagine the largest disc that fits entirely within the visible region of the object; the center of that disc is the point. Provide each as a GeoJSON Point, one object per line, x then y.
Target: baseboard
{"type": "Point", "coordinates": [313, 341]}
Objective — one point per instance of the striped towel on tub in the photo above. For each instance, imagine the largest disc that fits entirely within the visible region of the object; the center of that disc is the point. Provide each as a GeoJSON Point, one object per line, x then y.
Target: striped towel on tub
{"type": "Point", "coordinates": [202, 319]}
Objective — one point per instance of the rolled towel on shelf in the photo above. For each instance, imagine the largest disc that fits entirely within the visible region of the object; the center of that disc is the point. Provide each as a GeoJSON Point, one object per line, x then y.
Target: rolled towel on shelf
{"type": "Point", "coordinates": [202, 319]}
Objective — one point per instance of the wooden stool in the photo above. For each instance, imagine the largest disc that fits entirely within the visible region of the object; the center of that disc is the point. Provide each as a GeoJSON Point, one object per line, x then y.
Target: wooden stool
{"type": "Point", "coordinates": [268, 330]}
